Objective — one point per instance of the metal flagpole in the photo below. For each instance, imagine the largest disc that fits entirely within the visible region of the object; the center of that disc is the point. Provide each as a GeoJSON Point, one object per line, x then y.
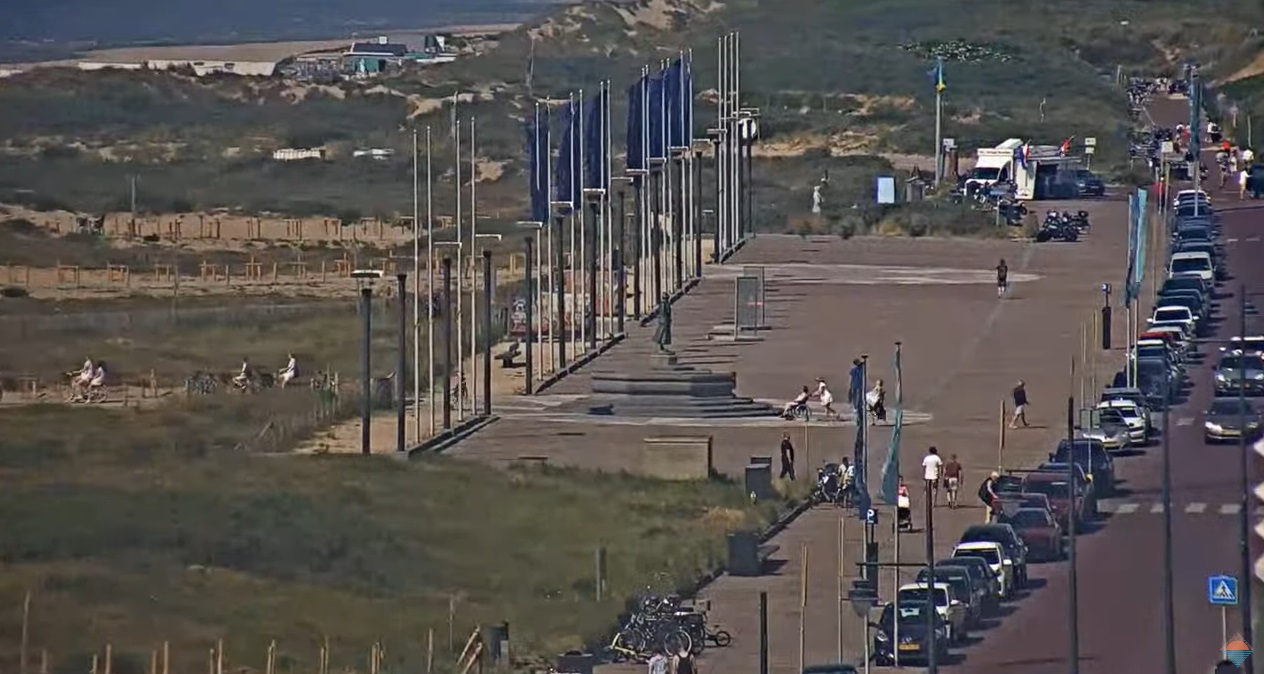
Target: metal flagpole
{"type": "Point", "coordinates": [430, 294]}
{"type": "Point", "coordinates": [577, 214]}
{"type": "Point", "coordinates": [739, 227]}
{"type": "Point", "coordinates": [646, 194]}
{"type": "Point", "coordinates": [721, 213]}
{"type": "Point", "coordinates": [473, 262]}
{"type": "Point", "coordinates": [546, 279]}
{"type": "Point", "coordinates": [581, 226]}
{"type": "Point", "coordinates": [608, 214]}
{"type": "Point", "coordinates": [460, 275]}
{"type": "Point", "coordinates": [939, 124]}
{"type": "Point", "coordinates": [416, 290]}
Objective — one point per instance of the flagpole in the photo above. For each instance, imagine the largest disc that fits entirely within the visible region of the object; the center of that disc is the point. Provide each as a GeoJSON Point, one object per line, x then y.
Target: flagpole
{"type": "Point", "coordinates": [607, 212]}
{"type": "Point", "coordinates": [460, 275]}
{"type": "Point", "coordinates": [416, 290]}
{"type": "Point", "coordinates": [430, 345]}
{"type": "Point", "coordinates": [735, 166]}
{"type": "Point", "coordinates": [547, 355]}
{"type": "Point", "coordinates": [473, 259]}
{"type": "Point", "coordinates": [721, 214]}
{"type": "Point", "coordinates": [939, 121]}
{"type": "Point", "coordinates": [646, 192]}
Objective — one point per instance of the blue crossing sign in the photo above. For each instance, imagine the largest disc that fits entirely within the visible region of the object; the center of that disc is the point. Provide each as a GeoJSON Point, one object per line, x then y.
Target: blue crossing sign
{"type": "Point", "coordinates": [1222, 590]}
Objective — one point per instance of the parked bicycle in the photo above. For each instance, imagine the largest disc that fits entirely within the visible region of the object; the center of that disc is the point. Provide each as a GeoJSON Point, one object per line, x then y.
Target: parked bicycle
{"type": "Point", "coordinates": [664, 624]}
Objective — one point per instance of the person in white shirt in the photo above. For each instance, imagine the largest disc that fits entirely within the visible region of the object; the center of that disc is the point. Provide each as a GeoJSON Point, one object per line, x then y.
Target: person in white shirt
{"type": "Point", "coordinates": [1242, 178]}
{"type": "Point", "coordinates": [81, 379]}
{"type": "Point", "coordinates": [658, 663]}
{"type": "Point", "coordinates": [1248, 156]}
{"type": "Point", "coordinates": [98, 377]}
{"type": "Point", "coordinates": [827, 399]}
{"type": "Point", "coordinates": [289, 373]}
{"type": "Point", "coordinates": [931, 466]}
{"type": "Point", "coordinates": [849, 481]}
{"type": "Point", "coordinates": [243, 377]}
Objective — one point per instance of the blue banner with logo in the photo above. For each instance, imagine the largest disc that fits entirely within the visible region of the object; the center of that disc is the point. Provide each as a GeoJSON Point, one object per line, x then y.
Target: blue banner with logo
{"type": "Point", "coordinates": [568, 175]}
{"type": "Point", "coordinates": [891, 467]}
{"type": "Point", "coordinates": [657, 102]}
{"type": "Point", "coordinates": [1142, 235]}
{"type": "Point", "coordinates": [537, 130]}
{"type": "Point", "coordinates": [635, 137]}
{"type": "Point", "coordinates": [861, 450]}
{"type": "Point", "coordinates": [595, 174]}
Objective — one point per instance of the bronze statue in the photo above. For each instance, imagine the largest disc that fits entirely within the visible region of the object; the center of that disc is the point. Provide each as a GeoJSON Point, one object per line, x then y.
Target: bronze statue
{"type": "Point", "coordinates": [663, 334]}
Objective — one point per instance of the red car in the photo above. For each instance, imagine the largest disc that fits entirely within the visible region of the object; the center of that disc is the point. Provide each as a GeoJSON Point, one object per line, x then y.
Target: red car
{"type": "Point", "coordinates": [1039, 530]}
{"type": "Point", "coordinates": [1067, 502]}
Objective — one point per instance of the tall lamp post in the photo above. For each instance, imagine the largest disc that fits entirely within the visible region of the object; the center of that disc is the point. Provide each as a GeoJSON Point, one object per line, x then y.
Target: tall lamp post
{"type": "Point", "coordinates": [451, 319]}
{"type": "Point", "coordinates": [364, 279]}
{"type": "Point", "coordinates": [485, 314]}
{"type": "Point", "coordinates": [533, 273]}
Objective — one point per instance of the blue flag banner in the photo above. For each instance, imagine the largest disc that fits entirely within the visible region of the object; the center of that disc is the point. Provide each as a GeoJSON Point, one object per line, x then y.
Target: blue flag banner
{"type": "Point", "coordinates": [1132, 249]}
{"type": "Point", "coordinates": [936, 75]}
{"type": "Point", "coordinates": [634, 139]}
{"type": "Point", "coordinates": [537, 130]}
{"type": "Point", "coordinates": [689, 100]}
{"type": "Point", "coordinates": [657, 109]}
{"type": "Point", "coordinates": [860, 451]}
{"type": "Point", "coordinates": [595, 141]}
{"type": "Point", "coordinates": [675, 98]}
{"type": "Point", "coordinates": [568, 177]}
{"type": "Point", "coordinates": [891, 467]}
{"type": "Point", "coordinates": [1143, 234]}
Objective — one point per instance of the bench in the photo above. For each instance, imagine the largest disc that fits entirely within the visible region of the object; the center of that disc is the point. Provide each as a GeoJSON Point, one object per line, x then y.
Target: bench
{"type": "Point", "coordinates": [507, 356]}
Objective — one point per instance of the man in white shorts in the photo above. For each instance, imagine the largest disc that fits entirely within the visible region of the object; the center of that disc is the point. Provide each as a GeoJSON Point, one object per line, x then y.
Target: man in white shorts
{"type": "Point", "coordinates": [931, 466]}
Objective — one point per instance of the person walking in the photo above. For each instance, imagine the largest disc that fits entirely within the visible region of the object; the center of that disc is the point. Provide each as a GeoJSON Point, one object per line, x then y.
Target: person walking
{"type": "Point", "coordinates": [787, 457]}
{"type": "Point", "coordinates": [658, 663]}
{"type": "Point", "coordinates": [987, 494]}
{"type": "Point", "coordinates": [952, 480]}
{"type": "Point", "coordinates": [1243, 175]}
{"type": "Point", "coordinates": [931, 468]}
{"type": "Point", "coordinates": [903, 507]}
{"type": "Point", "coordinates": [1002, 278]}
{"type": "Point", "coordinates": [1020, 405]}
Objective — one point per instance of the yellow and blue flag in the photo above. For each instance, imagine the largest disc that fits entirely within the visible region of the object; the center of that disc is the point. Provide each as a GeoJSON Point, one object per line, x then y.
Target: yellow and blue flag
{"type": "Point", "coordinates": [936, 75]}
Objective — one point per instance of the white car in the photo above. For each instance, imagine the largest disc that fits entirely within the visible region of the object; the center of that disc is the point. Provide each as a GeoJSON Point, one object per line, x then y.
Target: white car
{"type": "Point", "coordinates": [1250, 344]}
{"type": "Point", "coordinates": [1185, 195]}
{"type": "Point", "coordinates": [1137, 419]}
{"type": "Point", "coordinates": [997, 560]}
{"type": "Point", "coordinates": [1193, 263]}
{"type": "Point", "coordinates": [946, 605]}
{"type": "Point", "coordinates": [1175, 313]}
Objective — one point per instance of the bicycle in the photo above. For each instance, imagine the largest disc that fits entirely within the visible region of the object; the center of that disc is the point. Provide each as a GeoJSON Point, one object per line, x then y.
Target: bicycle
{"type": "Point", "coordinates": [201, 383]}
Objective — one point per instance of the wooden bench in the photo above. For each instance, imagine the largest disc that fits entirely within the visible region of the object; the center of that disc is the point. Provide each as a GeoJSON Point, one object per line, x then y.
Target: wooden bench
{"type": "Point", "coordinates": [507, 356]}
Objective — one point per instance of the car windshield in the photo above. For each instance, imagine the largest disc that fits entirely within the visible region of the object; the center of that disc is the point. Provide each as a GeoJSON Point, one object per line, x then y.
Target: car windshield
{"type": "Point", "coordinates": [1230, 406]}
{"type": "Point", "coordinates": [910, 611]}
{"type": "Point", "coordinates": [1029, 518]}
{"type": "Point", "coordinates": [1244, 362]}
{"type": "Point", "coordinates": [918, 594]}
{"type": "Point", "coordinates": [1171, 314]}
{"type": "Point", "coordinates": [1053, 488]}
{"type": "Point", "coordinates": [1194, 234]}
{"type": "Point", "coordinates": [1189, 264]}
{"type": "Point", "coordinates": [989, 555]}
{"type": "Point", "coordinates": [985, 173]}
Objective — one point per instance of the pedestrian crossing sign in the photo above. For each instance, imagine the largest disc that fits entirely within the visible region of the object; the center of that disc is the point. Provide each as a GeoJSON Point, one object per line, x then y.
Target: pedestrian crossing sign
{"type": "Point", "coordinates": [1222, 590]}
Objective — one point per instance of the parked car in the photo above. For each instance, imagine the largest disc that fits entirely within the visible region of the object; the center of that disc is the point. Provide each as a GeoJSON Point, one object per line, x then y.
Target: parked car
{"type": "Point", "coordinates": [1106, 427]}
{"type": "Point", "coordinates": [1039, 530]}
{"type": "Point", "coordinates": [948, 606]}
{"type": "Point", "coordinates": [1001, 565]}
{"type": "Point", "coordinates": [1093, 459]}
{"type": "Point", "coordinates": [981, 574]}
{"type": "Point", "coordinates": [1239, 371]}
{"type": "Point", "coordinates": [1008, 538]}
{"type": "Point", "coordinates": [1089, 184]}
{"type": "Point", "coordinates": [1067, 499]}
{"type": "Point", "coordinates": [913, 635]}
{"type": "Point", "coordinates": [963, 588]}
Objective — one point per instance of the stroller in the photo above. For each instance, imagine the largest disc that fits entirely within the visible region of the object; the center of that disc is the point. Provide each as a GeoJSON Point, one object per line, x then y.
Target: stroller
{"type": "Point", "coordinates": [904, 510]}
{"type": "Point", "coordinates": [829, 485]}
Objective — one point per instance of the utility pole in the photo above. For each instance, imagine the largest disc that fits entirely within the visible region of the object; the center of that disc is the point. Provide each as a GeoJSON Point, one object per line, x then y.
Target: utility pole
{"type": "Point", "coordinates": [1244, 518]}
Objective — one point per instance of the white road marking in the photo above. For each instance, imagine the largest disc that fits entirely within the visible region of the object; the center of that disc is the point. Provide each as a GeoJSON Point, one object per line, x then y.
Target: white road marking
{"type": "Point", "coordinates": [1231, 240]}
{"type": "Point", "coordinates": [1252, 239]}
{"type": "Point", "coordinates": [1127, 508]}
{"type": "Point", "coordinates": [1230, 509]}
{"type": "Point", "coordinates": [1195, 508]}
{"type": "Point", "coordinates": [1185, 421]}
{"type": "Point", "coordinates": [1156, 509]}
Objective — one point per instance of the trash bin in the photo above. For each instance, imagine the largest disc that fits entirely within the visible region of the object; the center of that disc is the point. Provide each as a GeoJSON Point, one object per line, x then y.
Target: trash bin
{"type": "Point", "coordinates": [758, 481]}
{"type": "Point", "coordinates": [743, 557]}
{"type": "Point", "coordinates": [575, 662]}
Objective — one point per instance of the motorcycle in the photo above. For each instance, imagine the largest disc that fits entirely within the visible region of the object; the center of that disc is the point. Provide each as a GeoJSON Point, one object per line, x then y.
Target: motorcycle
{"type": "Point", "coordinates": [1079, 220]}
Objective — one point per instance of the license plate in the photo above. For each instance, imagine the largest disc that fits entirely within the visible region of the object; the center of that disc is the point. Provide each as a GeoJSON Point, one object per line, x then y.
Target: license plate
{"type": "Point", "coordinates": [910, 647]}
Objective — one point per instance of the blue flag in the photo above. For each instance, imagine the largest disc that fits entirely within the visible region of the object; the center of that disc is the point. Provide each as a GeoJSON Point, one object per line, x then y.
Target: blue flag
{"type": "Point", "coordinates": [568, 177]}
{"type": "Point", "coordinates": [860, 450]}
{"type": "Point", "coordinates": [936, 75]}
{"type": "Point", "coordinates": [1143, 233]}
{"type": "Point", "coordinates": [595, 174]}
{"type": "Point", "coordinates": [891, 468]}
{"type": "Point", "coordinates": [634, 143]}
{"type": "Point", "coordinates": [675, 101]}
{"type": "Point", "coordinates": [1132, 249]}
{"type": "Point", "coordinates": [688, 95]}
{"type": "Point", "coordinates": [657, 109]}
{"type": "Point", "coordinates": [537, 130]}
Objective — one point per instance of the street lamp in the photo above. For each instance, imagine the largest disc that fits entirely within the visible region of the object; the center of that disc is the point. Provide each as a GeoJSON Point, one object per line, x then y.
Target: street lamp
{"type": "Point", "coordinates": [476, 238]}
{"type": "Point", "coordinates": [748, 128]}
{"type": "Point", "coordinates": [449, 319]}
{"type": "Point", "coordinates": [618, 265]}
{"type": "Point", "coordinates": [715, 136]}
{"type": "Point", "coordinates": [700, 147]}
{"type": "Point", "coordinates": [364, 282]}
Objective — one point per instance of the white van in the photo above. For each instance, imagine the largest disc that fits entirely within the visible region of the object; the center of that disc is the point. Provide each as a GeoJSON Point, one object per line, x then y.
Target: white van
{"type": "Point", "coordinates": [1194, 263]}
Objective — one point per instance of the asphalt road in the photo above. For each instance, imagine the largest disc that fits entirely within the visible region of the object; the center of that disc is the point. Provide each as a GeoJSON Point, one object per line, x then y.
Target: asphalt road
{"type": "Point", "coordinates": [1120, 615]}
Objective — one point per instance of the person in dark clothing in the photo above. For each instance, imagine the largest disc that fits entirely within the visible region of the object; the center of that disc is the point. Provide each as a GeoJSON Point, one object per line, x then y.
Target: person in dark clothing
{"type": "Point", "coordinates": [787, 457]}
{"type": "Point", "coordinates": [1002, 278]}
{"type": "Point", "coordinates": [1020, 405]}
{"type": "Point", "coordinates": [987, 494]}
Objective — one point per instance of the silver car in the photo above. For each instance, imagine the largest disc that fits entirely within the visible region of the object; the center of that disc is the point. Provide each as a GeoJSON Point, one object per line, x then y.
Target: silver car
{"type": "Point", "coordinates": [1240, 370]}
{"type": "Point", "coordinates": [1107, 427]}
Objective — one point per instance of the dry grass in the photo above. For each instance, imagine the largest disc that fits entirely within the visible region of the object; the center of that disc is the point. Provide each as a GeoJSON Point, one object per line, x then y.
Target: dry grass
{"type": "Point", "coordinates": [134, 527]}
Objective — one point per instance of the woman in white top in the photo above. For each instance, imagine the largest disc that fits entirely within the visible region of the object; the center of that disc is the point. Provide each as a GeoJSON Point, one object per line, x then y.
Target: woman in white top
{"type": "Point", "coordinates": [289, 373]}
{"type": "Point", "coordinates": [826, 398]}
{"type": "Point", "coordinates": [98, 377]}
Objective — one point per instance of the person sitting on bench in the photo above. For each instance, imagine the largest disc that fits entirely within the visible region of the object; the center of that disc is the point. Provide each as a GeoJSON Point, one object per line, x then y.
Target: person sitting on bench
{"type": "Point", "coordinates": [288, 374]}
{"type": "Point", "coordinates": [507, 356]}
{"type": "Point", "coordinates": [80, 380]}
{"type": "Point", "coordinates": [800, 401]}
{"type": "Point", "coordinates": [98, 380]}
{"type": "Point", "coordinates": [243, 378]}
